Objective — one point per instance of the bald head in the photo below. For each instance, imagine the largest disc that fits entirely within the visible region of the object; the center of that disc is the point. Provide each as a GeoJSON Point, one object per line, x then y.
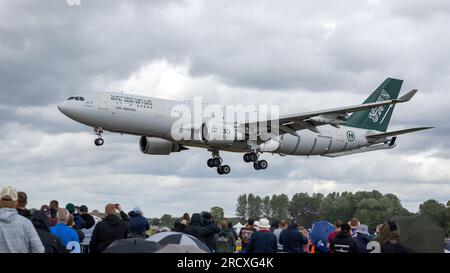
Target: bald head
{"type": "Point", "coordinates": [110, 209]}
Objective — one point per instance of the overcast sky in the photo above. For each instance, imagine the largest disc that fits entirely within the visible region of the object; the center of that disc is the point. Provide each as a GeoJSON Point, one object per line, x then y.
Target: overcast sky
{"type": "Point", "coordinates": [301, 55]}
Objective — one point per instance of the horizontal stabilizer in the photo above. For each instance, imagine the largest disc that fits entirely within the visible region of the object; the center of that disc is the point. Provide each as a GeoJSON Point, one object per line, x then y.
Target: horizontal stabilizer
{"type": "Point", "coordinates": [395, 133]}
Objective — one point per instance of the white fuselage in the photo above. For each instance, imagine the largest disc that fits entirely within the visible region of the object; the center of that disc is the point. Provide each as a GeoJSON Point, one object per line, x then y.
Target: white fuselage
{"type": "Point", "coordinates": [152, 117]}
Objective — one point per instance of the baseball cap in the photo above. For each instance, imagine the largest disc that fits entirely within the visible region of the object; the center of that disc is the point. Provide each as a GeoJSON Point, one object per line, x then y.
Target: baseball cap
{"type": "Point", "coordinates": [7, 193]}
{"type": "Point", "coordinates": [137, 209]}
{"type": "Point", "coordinates": [70, 207]}
{"type": "Point", "coordinates": [83, 208]}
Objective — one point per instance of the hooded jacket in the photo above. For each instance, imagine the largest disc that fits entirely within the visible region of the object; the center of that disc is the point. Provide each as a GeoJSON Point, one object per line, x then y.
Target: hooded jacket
{"type": "Point", "coordinates": [211, 230]}
{"type": "Point", "coordinates": [196, 228]}
{"type": "Point", "coordinates": [52, 244]}
{"type": "Point", "coordinates": [17, 234]}
{"type": "Point", "coordinates": [137, 225]}
{"type": "Point", "coordinates": [112, 228]}
{"type": "Point", "coordinates": [263, 241]}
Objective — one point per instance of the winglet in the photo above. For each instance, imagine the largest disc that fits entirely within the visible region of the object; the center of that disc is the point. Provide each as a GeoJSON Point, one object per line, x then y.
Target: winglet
{"type": "Point", "coordinates": [408, 96]}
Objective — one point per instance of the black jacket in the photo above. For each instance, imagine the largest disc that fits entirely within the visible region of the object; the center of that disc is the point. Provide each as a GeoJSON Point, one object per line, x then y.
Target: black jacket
{"type": "Point", "coordinates": [51, 243]}
{"type": "Point", "coordinates": [89, 221]}
{"type": "Point", "coordinates": [24, 212]}
{"type": "Point", "coordinates": [196, 228]}
{"type": "Point", "coordinates": [389, 247]}
{"type": "Point", "coordinates": [112, 228]}
{"type": "Point", "coordinates": [211, 229]}
{"type": "Point", "coordinates": [343, 243]}
{"type": "Point", "coordinates": [292, 240]}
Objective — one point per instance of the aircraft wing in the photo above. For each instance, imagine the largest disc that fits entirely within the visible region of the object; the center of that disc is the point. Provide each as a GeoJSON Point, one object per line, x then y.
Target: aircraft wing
{"type": "Point", "coordinates": [336, 116]}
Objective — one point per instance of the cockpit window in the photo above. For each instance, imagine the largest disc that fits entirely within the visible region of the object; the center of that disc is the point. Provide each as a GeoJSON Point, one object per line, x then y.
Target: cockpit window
{"type": "Point", "coordinates": [71, 98]}
{"type": "Point", "coordinates": [81, 99]}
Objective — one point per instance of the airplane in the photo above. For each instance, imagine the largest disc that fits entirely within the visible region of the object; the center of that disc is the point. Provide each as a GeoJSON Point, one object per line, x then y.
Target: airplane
{"type": "Point", "coordinates": [330, 133]}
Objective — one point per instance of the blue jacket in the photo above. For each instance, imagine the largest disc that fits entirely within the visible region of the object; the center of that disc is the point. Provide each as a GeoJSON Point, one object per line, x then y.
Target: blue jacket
{"type": "Point", "coordinates": [138, 225]}
{"type": "Point", "coordinates": [292, 240]}
{"type": "Point", "coordinates": [361, 242]}
{"type": "Point", "coordinates": [262, 242]}
{"type": "Point", "coordinates": [78, 221]}
{"type": "Point", "coordinates": [65, 233]}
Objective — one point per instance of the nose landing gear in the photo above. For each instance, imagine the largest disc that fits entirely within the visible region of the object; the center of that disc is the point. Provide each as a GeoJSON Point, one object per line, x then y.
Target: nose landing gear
{"type": "Point", "coordinates": [99, 140]}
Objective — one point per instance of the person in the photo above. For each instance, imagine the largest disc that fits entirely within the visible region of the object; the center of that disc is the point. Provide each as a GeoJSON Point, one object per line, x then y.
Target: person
{"type": "Point", "coordinates": [46, 210]}
{"type": "Point", "coordinates": [354, 224]}
{"type": "Point", "coordinates": [54, 207]}
{"type": "Point", "coordinates": [195, 227]}
{"type": "Point", "coordinates": [281, 226]}
{"type": "Point", "coordinates": [89, 222]}
{"type": "Point", "coordinates": [292, 240]}
{"type": "Point", "coordinates": [263, 240]}
{"type": "Point", "coordinates": [224, 240]}
{"type": "Point", "coordinates": [61, 230]}
{"type": "Point", "coordinates": [343, 242]}
{"type": "Point", "coordinates": [17, 234]}
{"type": "Point", "coordinates": [246, 233]}
{"type": "Point", "coordinates": [389, 239]}
{"type": "Point", "coordinates": [333, 234]}
{"type": "Point", "coordinates": [52, 244]}
{"type": "Point", "coordinates": [362, 239]}
{"type": "Point", "coordinates": [112, 228]}
{"type": "Point", "coordinates": [233, 231]}
{"type": "Point", "coordinates": [71, 224]}
{"type": "Point", "coordinates": [78, 220]}
{"type": "Point", "coordinates": [179, 225]}
{"type": "Point", "coordinates": [22, 201]}
{"type": "Point", "coordinates": [211, 229]}
{"type": "Point", "coordinates": [138, 224]}
{"type": "Point", "coordinates": [186, 217]}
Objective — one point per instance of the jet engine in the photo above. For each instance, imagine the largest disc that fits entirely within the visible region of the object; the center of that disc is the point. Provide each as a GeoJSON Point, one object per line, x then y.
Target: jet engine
{"type": "Point", "coordinates": [220, 133]}
{"type": "Point", "coordinates": [159, 146]}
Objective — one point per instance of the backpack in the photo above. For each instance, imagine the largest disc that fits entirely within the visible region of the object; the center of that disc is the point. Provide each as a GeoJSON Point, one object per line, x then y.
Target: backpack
{"type": "Point", "coordinates": [246, 234]}
{"type": "Point", "coordinates": [222, 245]}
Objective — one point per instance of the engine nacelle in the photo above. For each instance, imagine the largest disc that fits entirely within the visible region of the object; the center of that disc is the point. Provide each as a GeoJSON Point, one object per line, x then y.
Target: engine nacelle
{"type": "Point", "coordinates": [220, 133]}
{"type": "Point", "coordinates": [158, 146]}
{"type": "Point", "coordinates": [269, 146]}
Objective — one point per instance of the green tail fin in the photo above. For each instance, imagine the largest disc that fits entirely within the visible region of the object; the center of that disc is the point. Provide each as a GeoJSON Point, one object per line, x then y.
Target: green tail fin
{"type": "Point", "coordinates": [377, 118]}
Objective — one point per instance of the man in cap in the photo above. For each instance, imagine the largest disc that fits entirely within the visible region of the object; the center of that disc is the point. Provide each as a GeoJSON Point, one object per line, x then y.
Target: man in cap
{"type": "Point", "coordinates": [79, 222]}
{"type": "Point", "coordinates": [343, 242]}
{"type": "Point", "coordinates": [263, 240]}
{"type": "Point", "coordinates": [362, 239]}
{"type": "Point", "coordinates": [138, 224]}
{"type": "Point", "coordinates": [17, 234]}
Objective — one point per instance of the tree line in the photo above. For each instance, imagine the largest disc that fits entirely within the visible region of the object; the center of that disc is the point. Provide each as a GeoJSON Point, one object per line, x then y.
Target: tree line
{"type": "Point", "coordinates": [370, 207]}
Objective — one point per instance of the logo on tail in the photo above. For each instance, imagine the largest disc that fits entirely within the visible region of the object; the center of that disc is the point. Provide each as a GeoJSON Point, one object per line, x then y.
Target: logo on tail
{"type": "Point", "coordinates": [376, 112]}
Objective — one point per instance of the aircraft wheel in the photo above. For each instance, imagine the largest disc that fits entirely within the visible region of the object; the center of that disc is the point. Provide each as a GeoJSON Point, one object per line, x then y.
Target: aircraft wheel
{"type": "Point", "coordinates": [246, 158]}
{"type": "Point", "coordinates": [210, 162]}
{"type": "Point", "coordinates": [253, 157]}
{"type": "Point", "coordinates": [216, 162]}
{"type": "Point", "coordinates": [220, 170]}
{"type": "Point", "coordinates": [225, 169]}
{"type": "Point", "coordinates": [99, 142]}
{"type": "Point", "coordinates": [262, 164]}
{"type": "Point", "coordinates": [256, 165]}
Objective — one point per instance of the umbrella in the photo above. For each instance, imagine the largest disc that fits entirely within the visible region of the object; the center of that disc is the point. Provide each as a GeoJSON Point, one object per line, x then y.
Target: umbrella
{"type": "Point", "coordinates": [421, 234]}
{"type": "Point", "coordinates": [319, 235]}
{"type": "Point", "coordinates": [177, 238]}
{"type": "Point", "coordinates": [172, 248]}
{"type": "Point", "coordinates": [134, 245]}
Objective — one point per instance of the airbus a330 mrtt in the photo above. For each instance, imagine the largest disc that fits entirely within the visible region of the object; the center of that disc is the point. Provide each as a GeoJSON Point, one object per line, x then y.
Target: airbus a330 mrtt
{"type": "Point", "coordinates": [331, 132]}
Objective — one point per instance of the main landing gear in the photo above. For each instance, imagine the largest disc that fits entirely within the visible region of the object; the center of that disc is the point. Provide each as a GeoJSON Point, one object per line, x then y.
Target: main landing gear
{"type": "Point", "coordinates": [216, 161]}
{"type": "Point", "coordinates": [99, 141]}
{"type": "Point", "coordinates": [257, 164]}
